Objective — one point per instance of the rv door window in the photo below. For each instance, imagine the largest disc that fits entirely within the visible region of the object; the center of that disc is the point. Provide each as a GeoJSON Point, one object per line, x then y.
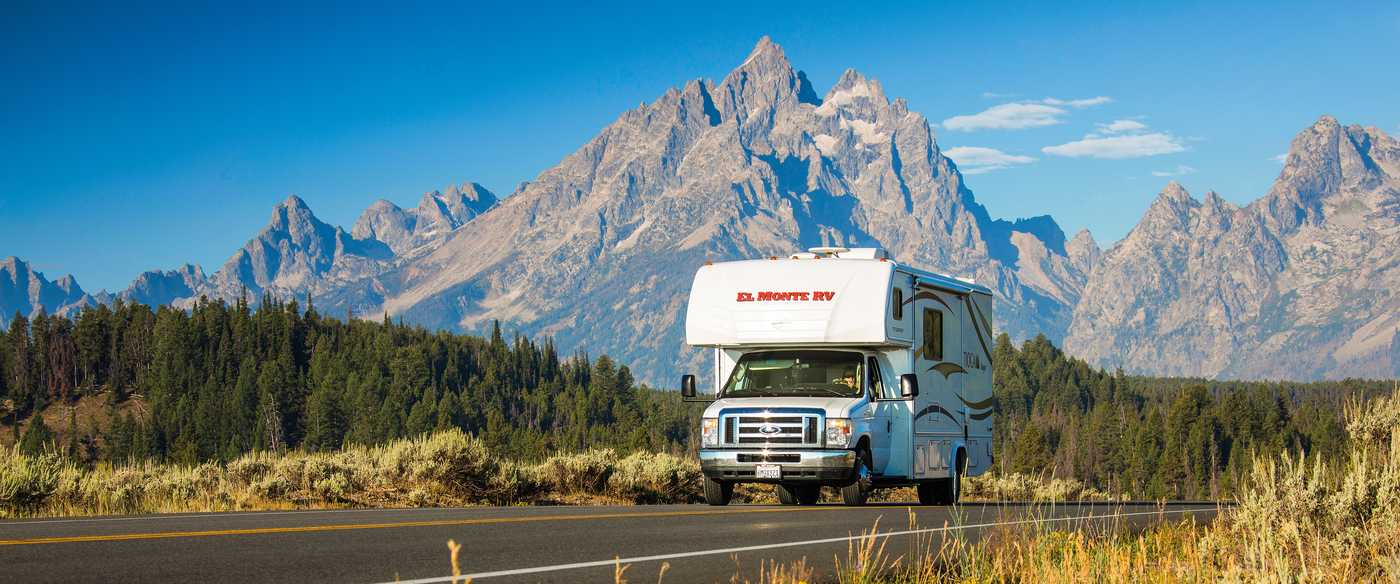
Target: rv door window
{"type": "Point", "coordinates": [898, 301]}
{"type": "Point", "coordinates": [933, 334]}
{"type": "Point", "coordinates": [877, 382]}
{"type": "Point", "coordinates": [810, 373]}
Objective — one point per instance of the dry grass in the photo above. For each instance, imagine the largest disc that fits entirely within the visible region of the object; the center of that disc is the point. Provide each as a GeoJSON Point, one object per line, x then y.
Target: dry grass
{"type": "Point", "coordinates": [445, 468]}
{"type": "Point", "coordinates": [1297, 521]}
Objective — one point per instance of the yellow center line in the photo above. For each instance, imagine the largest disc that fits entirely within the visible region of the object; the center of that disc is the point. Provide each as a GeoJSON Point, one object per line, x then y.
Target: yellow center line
{"type": "Point", "coordinates": [397, 524]}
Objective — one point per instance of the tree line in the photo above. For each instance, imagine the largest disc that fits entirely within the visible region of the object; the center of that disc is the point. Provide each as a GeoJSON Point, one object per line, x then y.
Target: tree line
{"type": "Point", "coordinates": [1150, 436]}
{"type": "Point", "coordinates": [220, 379]}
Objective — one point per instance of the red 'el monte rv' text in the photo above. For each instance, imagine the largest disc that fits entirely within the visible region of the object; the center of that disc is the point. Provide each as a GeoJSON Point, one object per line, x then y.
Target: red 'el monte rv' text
{"type": "Point", "coordinates": [770, 296]}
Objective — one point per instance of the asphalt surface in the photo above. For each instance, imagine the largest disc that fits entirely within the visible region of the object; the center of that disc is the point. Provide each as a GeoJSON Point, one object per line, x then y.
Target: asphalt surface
{"type": "Point", "coordinates": [696, 543]}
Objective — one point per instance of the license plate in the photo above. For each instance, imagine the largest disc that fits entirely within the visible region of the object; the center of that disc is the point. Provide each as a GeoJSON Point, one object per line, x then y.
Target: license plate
{"type": "Point", "coordinates": [769, 471]}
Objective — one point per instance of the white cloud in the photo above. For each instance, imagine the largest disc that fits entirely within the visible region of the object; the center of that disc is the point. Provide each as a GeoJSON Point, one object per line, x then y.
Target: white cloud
{"type": "Point", "coordinates": [995, 95]}
{"type": "Point", "coordinates": [1020, 115]}
{"type": "Point", "coordinates": [1123, 139]}
{"type": "Point", "coordinates": [1180, 170]}
{"type": "Point", "coordinates": [1117, 147]}
{"type": "Point", "coordinates": [1280, 158]}
{"type": "Point", "coordinates": [1078, 103]}
{"type": "Point", "coordinates": [1007, 116]}
{"type": "Point", "coordinates": [978, 160]}
{"type": "Point", "coordinates": [1122, 126]}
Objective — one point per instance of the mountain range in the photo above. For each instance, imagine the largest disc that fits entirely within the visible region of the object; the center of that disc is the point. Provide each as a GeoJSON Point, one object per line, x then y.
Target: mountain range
{"type": "Point", "coordinates": [599, 250]}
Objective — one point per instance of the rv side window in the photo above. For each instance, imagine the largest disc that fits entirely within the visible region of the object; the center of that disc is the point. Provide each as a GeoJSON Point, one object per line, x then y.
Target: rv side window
{"type": "Point", "coordinates": [898, 308]}
{"type": "Point", "coordinates": [933, 334]}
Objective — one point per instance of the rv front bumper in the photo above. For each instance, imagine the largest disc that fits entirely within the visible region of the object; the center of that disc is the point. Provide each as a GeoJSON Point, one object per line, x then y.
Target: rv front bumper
{"type": "Point", "coordinates": [794, 465]}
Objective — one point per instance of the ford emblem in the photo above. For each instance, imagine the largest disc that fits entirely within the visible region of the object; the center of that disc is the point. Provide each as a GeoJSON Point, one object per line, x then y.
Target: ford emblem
{"type": "Point", "coordinates": [769, 429]}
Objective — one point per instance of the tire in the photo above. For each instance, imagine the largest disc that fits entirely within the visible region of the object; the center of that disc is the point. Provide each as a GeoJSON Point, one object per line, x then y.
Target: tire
{"type": "Point", "coordinates": [809, 495]}
{"type": "Point", "coordinates": [954, 491]}
{"type": "Point", "coordinates": [717, 493]}
{"type": "Point", "coordinates": [855, 493]}
{"type": "Point", "coordinates": [944, 491]}
{"type": "Point", "coordinates": [928, 493]}
{"type": "Point", "coordinates": [787, 495]}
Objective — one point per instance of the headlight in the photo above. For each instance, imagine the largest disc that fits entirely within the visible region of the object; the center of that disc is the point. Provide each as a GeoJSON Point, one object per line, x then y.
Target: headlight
{"type": "Point", "coordinates": [838, 432]}
{"type": "Point", "coordinates": [709, 432]}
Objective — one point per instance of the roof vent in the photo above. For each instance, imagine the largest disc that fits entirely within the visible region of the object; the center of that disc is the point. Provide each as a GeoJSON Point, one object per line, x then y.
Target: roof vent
{"type": "Point", "coordinates": [846, 253]}
{"type": "Point", "coordinates": [828, 251]}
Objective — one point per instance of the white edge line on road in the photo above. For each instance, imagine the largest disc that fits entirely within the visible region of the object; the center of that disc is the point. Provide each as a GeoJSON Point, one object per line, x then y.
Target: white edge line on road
{"type": "Point", "coordinates": [769, 546]}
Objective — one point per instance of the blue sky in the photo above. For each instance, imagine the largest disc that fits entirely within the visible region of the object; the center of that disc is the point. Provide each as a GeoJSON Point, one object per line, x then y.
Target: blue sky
{"type": "Point", "coordinates": [142, 137]}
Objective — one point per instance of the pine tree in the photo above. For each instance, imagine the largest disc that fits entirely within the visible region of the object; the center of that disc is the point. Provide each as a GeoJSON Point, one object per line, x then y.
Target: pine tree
{"type": "Point", "coordinates": [325, 421]}
{"type": "Point", "coordinates": [21, 366]}
{"type": "Point", "coordinates": [38, 438]}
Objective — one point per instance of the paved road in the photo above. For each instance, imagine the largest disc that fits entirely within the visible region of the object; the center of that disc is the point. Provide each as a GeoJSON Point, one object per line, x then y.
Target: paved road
{"type": "Point", "coordinates": [500, 544]}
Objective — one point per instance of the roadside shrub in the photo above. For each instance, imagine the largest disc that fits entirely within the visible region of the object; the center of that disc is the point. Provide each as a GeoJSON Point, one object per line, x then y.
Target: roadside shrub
{"type": "Point", "coordinates": [249, 468]}
{"type": "Point", "coordinates": [514, 483]}
{"type": "Point", "coordinates": [584, 473]}
{"type": "Point", "coordinates": [647, 477]}
{"type": "Point", "coordinates": [1022, 487]}
{"type": "Point", "coordinates": [27, 481]}
{"type": "Point", "coordinates": [450, 458]}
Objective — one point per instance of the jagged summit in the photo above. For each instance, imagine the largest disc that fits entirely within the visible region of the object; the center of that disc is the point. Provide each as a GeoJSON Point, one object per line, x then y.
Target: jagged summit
{"type": "Point", "coordinates": [764, 80]}
{"type": "Point", "coordinates": [1296, 284]}
{"type": "Point", "coordinates": [156, 287]}
{"type": "Point", "coordinates": [294, 202]}
{"type": "Point", "coordinates": [765, 51]}
{"type": "Point", "coordinates": [1175, 191]}
{"type": "Point", "coordinates": [1323, 160]}
{"type": "Point", "coordinates": [26, 291]}
{"type": "Point", "coordinates": [437, 215]}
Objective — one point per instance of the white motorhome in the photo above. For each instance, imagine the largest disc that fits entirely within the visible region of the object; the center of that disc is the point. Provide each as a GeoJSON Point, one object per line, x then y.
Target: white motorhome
{"type": "Point", "coordinates": [842, 367]}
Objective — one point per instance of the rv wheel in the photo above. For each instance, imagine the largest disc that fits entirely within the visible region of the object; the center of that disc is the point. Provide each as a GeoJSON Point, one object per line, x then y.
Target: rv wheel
{"type": "Point", "coordinates": [944, 491]}
{"type": "Point", "coordinates": [717, 493]}
{"type": "Point", "coordinates": [928, 492]}
{"type": "Point", "coordinates": [855, 493]}
{"type": "Point", "coordinates": [955, 483]}
{"type": "Point", "coordinates": [786, 495]}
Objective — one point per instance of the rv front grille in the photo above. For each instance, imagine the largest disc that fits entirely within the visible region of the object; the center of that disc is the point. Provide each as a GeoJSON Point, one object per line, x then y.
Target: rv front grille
{"type": "Point", "coordinates": [789, 457]}
{"type": "Point", "coordinates": [783, 429]}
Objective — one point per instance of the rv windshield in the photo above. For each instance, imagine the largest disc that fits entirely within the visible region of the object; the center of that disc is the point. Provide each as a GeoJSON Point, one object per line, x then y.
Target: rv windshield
{"type": "Point", "coordinates": [796, 373]}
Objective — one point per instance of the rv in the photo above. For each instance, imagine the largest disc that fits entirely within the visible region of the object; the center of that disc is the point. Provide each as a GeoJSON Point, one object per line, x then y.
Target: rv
{"type": "Point", "coordinates": [840, 367]}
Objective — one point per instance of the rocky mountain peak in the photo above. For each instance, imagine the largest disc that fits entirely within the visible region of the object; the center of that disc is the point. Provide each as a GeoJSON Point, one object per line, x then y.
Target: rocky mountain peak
{"type": "Point", "coordinates": [1174, 193]}
{"type": "Point", "coordinates": [1323, 160]}
{"type": "Point", "coordinates": [438, 214]}
{"type": "Point", "coordinates": [155, 287]}
{"type": "Point", "coordinates": [857, 85]}
{"type": "Point", "coordinates": [1083, 251]}
{"type": "Point", "coordinates": [69, 285]}
{"type": "Point", "coordinates": [293, 218]}
{"type": "Point", "coordinates": [295, 250]}
{"type": "Point", "coordinates": [458, 205]}
{"type": "Point", "coordinates": [1296, 284]}
{"type": "Point", "coordinates": [27, 291]}
{"type": "Point", "coordinates": [765, 80]}
{"type": "Point", "coordinates": [1170, 210]}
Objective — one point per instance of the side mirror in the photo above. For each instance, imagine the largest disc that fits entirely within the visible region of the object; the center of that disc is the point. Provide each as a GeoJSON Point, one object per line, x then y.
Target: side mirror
{"type": "Point", "coordinates": [908, 385]}
{"type": "Point", "coordinates": [688, 386]}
